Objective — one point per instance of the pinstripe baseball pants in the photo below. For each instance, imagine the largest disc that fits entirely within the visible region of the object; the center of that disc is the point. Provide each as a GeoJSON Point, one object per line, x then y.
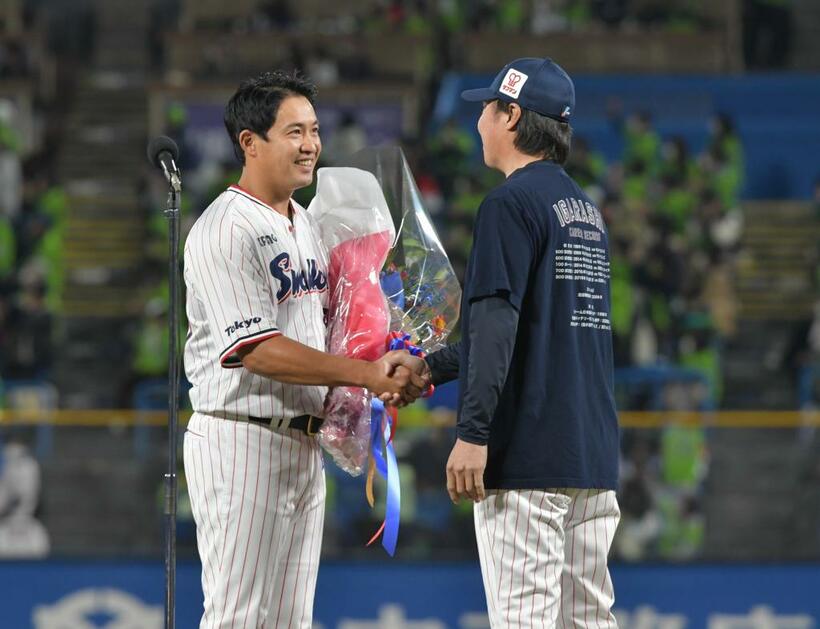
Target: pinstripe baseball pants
{"type": "Point", "coordinates": [544, 557]}
{"type": "Point", "coordinates": [258, 500]}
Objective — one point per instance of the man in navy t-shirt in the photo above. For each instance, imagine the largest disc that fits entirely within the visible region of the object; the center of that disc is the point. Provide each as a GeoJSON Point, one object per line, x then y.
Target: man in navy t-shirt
{"type": "Point", "coordinates": [537, 446]}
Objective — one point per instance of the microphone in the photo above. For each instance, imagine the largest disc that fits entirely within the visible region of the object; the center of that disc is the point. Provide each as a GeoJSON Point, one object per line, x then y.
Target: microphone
{"type": "Point", "coordinates": [163, 153]}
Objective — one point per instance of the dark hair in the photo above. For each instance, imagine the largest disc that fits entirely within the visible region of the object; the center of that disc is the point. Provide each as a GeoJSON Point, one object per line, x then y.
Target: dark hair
{"type": "Point", "coordinates": [539, 135]}
{"type": "Point", "coordinates": [255, 104]}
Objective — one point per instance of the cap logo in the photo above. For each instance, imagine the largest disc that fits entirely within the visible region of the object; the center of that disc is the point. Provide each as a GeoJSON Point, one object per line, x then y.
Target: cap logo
{"type": "Point", "coordinates": [566, 112]}
{"type": "Point", "coordinates": [513, 82]}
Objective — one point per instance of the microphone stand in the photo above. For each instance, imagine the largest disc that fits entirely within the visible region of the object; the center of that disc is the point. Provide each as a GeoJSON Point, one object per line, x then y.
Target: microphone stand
{"type": "Point", "coordinates": [170, 503]}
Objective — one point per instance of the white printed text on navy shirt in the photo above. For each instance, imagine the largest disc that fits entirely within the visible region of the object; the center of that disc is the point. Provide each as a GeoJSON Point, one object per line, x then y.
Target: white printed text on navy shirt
{"type": "Point", "coordinates": [578, 211]}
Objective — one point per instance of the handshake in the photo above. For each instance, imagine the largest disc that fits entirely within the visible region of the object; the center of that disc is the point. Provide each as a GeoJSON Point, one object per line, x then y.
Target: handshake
{"type": "Point", "coordinates": [398, 378]}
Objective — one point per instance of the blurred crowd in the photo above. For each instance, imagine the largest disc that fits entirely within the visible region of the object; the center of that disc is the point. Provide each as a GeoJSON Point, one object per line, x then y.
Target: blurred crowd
{"type": "Point", "coordinates": [674, 220]}
{"type": "Point", "coordinates": [426, 16]}
{"type": "Point", "coordinates": [15, 60]}
{"type": "Point", "coordinates": [436, 25]}
{"type": "Point", "coordinates": [33, 212]}
{"type": "Point", "coordinates": [33, 207]}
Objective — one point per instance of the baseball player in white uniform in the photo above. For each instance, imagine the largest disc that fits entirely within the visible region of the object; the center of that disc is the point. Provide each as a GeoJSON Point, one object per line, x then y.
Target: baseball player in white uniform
{"type": "Point", "coordinates": [256, 278]}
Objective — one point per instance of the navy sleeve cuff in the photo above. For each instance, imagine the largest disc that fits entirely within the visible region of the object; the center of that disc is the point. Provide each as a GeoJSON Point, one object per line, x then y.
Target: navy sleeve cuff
{"type": "Point", "coordinates": [470, 437]}
{"type": "Point", "coordinates": [229, 358]}
{"type": "Point", "coordinates": [444, 363]}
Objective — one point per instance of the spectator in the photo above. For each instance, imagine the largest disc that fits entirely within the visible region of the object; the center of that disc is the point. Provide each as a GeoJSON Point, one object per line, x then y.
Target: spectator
{"type": "Point", "coordinates": [718, 299]}
{"type": "Point", "coordinates": [723, 136]}
{"type": "Point", "coordinates": [417, 20]}
{"type": "Point", "coordinates": [721, 175]}
{"type": "Point", "coordinates": [176, 125]}
{"type": "Point", "coordinates": [151, 344]}
{"type": "Point", "coordinates": [355, 65]}
{"type": "Point", "coordinates": [642, 141]}
{"type": "Point", "coordinates": [6, 337]}
{"type": "Point", "coordinates": [610, 12]}
{"type": "Point", "coordinates": [8, 250]}
{"type": "Point", "coordinates": [683, 528]}
{"type": "Point", "coordinates": [698, 351]}
{"type": "Point", "coordinates": [587, 167]}
{"type": "Point", "coordinates": [640, 524]}
{"type": "Point", "coordinates": [22, 536]}
{"type": "Point", "coordinates": [29, 348]}
{"type": "Point", "coordinates": [676, 194]}
{"type": "Point", "coordinates": [49, 261]}
{"type": "Point", "coordinates": [323, 68]}
{"type": "Point", "coordinates": [767, 33]}
{"type": "Point", "coordinates": [546, 18]}
{"type": "Point", "coordinates": [722, 165]}
{"type": "Point", "coordinates": [510, 16]}
{"type": "Point", "coordinates": [623, 301]}
{"type": "Point", "coordinates": [273, 15]}
{"type": "Point", "coordinates": [450, 151]}
{"type": "Point", "coordinates": [816, 197]}
{"type": "Point", "coordinates": [11, 174]}
{"type": "Point", "coordinates": [635, 185]}
{"type": "Point", "coordinates": [348, 138]}
{"type": "Point", "coordinates": [675, 163]}
{"type": "Point", "coordinates": [14, 60]}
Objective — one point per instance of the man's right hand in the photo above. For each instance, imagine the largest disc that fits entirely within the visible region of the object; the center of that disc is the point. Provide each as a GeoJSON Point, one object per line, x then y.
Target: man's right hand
{"type": "Point", "coordinates": [398, 377]}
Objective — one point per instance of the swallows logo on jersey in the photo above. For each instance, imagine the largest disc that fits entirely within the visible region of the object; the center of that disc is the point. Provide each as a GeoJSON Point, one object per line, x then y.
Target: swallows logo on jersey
{"type": "Point", "coordinates": [294, 283]}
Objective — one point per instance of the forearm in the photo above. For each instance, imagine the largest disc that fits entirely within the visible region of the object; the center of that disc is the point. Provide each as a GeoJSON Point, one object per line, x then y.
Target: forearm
{"type": "Point", "coordinates": [289, 361]}
{"type": "Point", "coordinates": [444, 363]}
{"type": "Point", "coordinates": [493, 327]}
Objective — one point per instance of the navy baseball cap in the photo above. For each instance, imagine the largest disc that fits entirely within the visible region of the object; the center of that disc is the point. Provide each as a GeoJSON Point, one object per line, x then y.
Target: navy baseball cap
{"type": "Point", "coordinates": [537, 84]}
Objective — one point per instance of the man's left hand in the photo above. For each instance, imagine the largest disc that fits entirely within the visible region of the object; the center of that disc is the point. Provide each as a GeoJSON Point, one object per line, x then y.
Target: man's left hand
{"type": "Point", "coordinates": [402, 359]}
{"type": "Point", "coordinates": [465, 471]}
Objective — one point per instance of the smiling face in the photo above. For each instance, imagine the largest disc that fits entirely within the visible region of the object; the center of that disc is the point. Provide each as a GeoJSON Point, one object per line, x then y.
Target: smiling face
{"type": "Point", "coordinates": [287, 156]}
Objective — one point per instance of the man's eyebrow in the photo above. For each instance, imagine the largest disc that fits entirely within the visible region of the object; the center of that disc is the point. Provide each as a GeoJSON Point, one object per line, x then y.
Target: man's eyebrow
{"type": "Point", "coordinates": [292, 125]}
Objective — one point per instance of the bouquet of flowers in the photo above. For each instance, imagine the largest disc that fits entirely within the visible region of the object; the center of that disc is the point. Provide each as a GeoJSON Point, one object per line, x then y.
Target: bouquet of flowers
{"type": "Point", "coordinates": [388, 272]}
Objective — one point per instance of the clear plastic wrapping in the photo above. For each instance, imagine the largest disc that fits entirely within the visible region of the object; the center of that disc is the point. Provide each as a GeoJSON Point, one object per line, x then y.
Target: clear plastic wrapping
{"type": "Point", "coordinates": [388, 272]}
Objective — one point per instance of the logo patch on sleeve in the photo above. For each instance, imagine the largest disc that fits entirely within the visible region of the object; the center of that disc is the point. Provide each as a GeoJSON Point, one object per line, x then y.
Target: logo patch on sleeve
{"type": "Point", "coordinates": [513, 82]}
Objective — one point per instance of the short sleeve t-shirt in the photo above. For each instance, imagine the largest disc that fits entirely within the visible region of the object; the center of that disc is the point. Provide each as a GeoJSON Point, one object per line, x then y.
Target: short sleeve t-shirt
{"type": "Point", "coordinates": [540, 243]}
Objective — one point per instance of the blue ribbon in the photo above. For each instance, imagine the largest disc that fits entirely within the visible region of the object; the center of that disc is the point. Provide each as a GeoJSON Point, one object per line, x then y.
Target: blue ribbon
{"type": "Point", "coordinates": [388, 469]}
{"type": "Point", "coordinates": [385, 463]}
{"type": "Point", "coordinates": [403, 342]}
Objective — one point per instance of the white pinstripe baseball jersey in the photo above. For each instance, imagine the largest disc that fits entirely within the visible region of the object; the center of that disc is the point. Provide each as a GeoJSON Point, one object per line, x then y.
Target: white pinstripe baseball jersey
{"type": "Point", "coordinates": [251, 275]}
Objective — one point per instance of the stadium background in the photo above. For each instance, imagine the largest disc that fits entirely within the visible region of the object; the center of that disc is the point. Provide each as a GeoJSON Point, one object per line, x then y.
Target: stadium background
{"type": "Point", "coordinates": [697, 132]}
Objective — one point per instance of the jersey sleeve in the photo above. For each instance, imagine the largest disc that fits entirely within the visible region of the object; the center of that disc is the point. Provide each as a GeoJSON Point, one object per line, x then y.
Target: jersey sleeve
{"type": "Point", "coordinates": [222, 264]}
{"type": "Point", "coordinates": [503, 250]}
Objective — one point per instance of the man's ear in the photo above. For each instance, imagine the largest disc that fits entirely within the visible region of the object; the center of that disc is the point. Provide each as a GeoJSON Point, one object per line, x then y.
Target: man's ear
{"type": "Point", "coordinates": [247, 140]}
{"type": "Point", "coordinates": [513, 116]}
